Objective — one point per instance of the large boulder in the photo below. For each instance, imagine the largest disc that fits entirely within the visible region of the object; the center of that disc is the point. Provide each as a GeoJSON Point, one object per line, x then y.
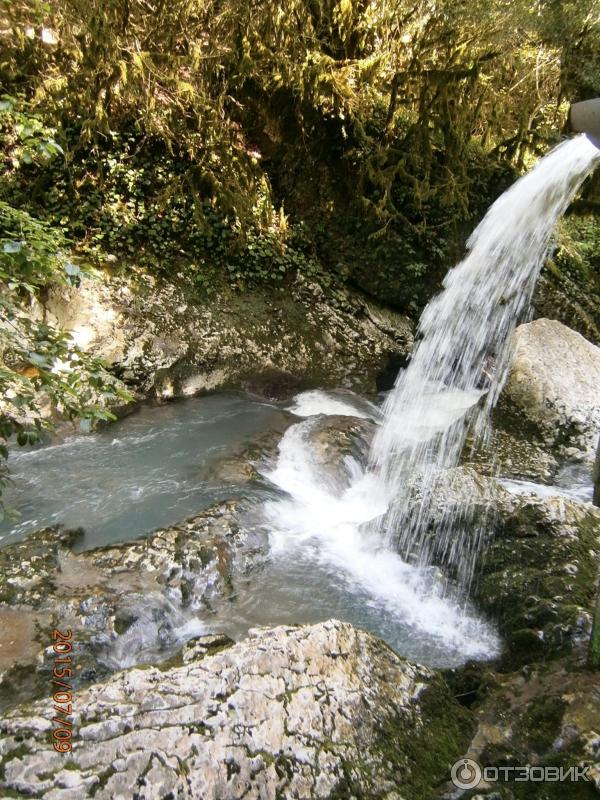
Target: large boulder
{"type": "Point", "coordinates": [538, 575]}
{"type": "Point", "coordinates": [321, 711]}
{"type": "Point", "coordinates": [536, 560]}
{"type": "Point", "coordinates": [552, 388]}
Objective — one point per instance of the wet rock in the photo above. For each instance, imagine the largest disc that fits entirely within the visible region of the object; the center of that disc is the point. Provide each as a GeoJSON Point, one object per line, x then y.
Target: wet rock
{"type": "Point", "coordinates": [246, 463]}
{"type": "Point", "coordinates": [511, 454]}
{"type": "Point", "coordinates": [28, 569]}
{"type": "Point", "coordinates": [538, 575]}
{"type": "Point", "coordinates": [321, 711]}
{"type": "Point", "coordinates": [460, 506]}
{"type": "Point", "coordinates": [536, 560]}
{"type": "Point", "coordinates": [272, 383]}
{"type": "Point", "coordinates": [164, 341]}
{"type": "Point", "coordinates": [127, 603]}
{"type": "Point", "coordinates": [329, 441]}
{"type": "Point", "coordinates": [543, 715]}
{"type": "Point", "coordinates": [332, 439]}
{"type": "Point", "coordinates": [552, 388]}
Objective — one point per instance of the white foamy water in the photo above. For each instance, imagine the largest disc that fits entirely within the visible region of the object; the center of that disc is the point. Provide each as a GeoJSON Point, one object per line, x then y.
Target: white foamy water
{"type": "Point", "coordinates": [161, 626]}
{"type": "Point", "coordinates": [460, 362]}
{"type": "Point", "coordinates": [321, 521]}
{"type": "Point", "coordinates": [582, 493]}
{"type": "Point", "coordinates": [315, 402]}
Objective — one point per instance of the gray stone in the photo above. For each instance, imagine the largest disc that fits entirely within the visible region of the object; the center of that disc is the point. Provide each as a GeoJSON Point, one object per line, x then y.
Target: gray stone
{"type": "Point", "coordinates": [538, 573]}
{"type": "Point", "coordinates": [318, 711]}
{"type": "Point", "coordinates": [167, 342]}
{"type": "Point", "coordinates": [552, 387]}
{"type": "Point", "coordinates": [536, 564]}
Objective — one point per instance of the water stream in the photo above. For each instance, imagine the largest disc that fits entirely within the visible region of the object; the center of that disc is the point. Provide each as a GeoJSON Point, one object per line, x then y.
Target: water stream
{"type": "Point", "coordinates": [460, 363]}
{"type": "Point", "coordinates": [342, 542]}
{"type": "Point", "coordinates": [151, 469]}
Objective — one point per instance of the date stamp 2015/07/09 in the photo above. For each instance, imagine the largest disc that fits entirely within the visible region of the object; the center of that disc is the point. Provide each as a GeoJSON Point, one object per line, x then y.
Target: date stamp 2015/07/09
{"type": "Point", "coordinates": [62, 673]}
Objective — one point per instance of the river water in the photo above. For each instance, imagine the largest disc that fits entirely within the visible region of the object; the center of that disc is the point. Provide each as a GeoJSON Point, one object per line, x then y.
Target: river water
{"type": "Point", "coordinates": [160, 464]}
{"type": "Point", "coordinates": [144, 472]}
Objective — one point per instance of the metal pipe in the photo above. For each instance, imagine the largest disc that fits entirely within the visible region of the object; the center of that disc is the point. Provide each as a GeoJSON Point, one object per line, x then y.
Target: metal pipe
{"type": "Point", "coordinates": [585, 118]}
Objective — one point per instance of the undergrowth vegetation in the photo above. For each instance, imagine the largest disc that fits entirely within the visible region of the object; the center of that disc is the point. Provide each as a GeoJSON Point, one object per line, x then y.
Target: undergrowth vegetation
{"type": "Point", "coordinates": [212, 130]}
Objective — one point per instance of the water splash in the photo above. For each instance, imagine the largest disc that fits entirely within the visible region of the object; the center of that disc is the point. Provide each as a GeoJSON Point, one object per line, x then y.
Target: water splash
{"type": "Point", "coordinates": [315, 401]}
{"type": "Point", "coordinates": [460, 363]}
{"type": "Point", "coordinates": [321, 523]}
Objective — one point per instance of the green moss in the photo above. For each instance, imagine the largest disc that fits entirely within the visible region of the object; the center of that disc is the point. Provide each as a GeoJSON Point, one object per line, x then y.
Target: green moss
{"type": "Point", "coordinates": [417, 759]}
{"type": "Point", "coordinates": [544, 722]}
{"type": "Point", "coordinates": [536, 582]}
{"type": "Point", "coordinates": [446, 732]}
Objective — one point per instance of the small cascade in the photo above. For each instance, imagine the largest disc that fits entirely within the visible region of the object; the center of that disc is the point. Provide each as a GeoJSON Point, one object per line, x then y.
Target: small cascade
{"type": "Point", "coordinates": [461, 360]}
{"type": "Point", "coordinates": [320, 543]}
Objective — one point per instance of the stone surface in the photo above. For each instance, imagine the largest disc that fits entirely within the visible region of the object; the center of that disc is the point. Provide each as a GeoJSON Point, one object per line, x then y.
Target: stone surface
{"type": "Point", "coordinates": [322, 711]}
{"type": "Point", "coordinates": [128, 603]}
{"type": "Point", "coordinates": [333, 439]}
{"type": "Point", "coordinates": [163, 340]}
{"type": "Point", "coordinates": [512, 454]}
{"type": "Point", "coordinates": [537, 573]}
{"type": "Point", "coordinates": [543, 715]}
{"type": "Point", "coordinates": [552, 388]}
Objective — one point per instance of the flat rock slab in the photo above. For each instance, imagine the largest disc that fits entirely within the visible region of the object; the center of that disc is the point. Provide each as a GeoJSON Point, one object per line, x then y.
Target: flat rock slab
{"type": "Point", "coordinates": [317, 711]}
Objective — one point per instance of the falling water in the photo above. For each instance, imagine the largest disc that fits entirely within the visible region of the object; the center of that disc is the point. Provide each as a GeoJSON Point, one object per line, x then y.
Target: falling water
{"type": "Point", "coordinates": [460, 363]}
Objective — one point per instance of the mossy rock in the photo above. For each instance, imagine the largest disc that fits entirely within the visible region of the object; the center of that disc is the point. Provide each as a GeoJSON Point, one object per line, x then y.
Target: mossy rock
{"type": "Point", "coordinates": [543, 715]}
{"type": "Point", "coordinates": [538, 578]}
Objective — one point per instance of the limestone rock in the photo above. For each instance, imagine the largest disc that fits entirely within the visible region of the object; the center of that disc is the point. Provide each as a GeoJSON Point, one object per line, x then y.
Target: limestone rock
{"type": "Point", "coordinates": [128, 603]}
{"type": "Point", "coordinates": [513, 454]}
{"type": "Point", "coordinates": [553, 385]}
{"type": "Point", "coordinates": [165, 341]}
{"type": "Point", "coordinates": [536, 562]}
{"type": "Point", "coordinates": [537, 578]}
{"type": "Point", "coordinates": [332, 439]}
{"type": "Point", "coordinates": [321, 711]}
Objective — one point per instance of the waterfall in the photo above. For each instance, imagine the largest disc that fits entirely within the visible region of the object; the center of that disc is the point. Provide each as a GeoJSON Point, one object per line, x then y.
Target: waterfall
{"type": "Point", "coordinates": [374, 533]}
{"type": "Point", "coordinates": [461, 360]}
